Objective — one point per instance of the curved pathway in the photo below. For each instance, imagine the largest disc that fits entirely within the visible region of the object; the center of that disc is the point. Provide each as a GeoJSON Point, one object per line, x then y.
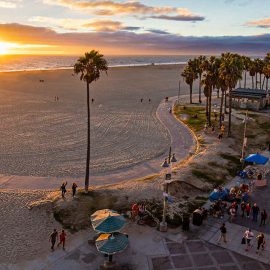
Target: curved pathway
{"type": "Point", "coordinates": [183, 143]}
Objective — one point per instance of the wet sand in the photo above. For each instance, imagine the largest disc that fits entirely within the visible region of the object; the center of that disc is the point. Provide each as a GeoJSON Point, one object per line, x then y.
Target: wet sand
{"type": "Point", "coordinates": [42, 137]}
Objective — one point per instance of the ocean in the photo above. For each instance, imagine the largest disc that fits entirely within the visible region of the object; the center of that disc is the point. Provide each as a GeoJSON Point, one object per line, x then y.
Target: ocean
{"type": "Point", "coordinates": [29, 62]}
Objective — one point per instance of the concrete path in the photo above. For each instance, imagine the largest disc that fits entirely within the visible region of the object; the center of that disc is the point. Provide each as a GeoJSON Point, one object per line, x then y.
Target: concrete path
{"type": "Point", "coordinates": [183, 144]}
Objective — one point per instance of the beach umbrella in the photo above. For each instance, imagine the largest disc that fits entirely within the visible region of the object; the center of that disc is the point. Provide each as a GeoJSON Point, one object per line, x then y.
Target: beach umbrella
{"type": "Point", "coordinates": [107, 221]}
{"type": "Point", "coordinates": [111, 243]}
{"type": "Point", "coordinates": [257, 159]}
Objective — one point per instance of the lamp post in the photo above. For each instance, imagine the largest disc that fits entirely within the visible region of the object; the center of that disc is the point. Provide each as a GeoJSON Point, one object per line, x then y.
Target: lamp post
{"type": "Point", "coordinates": [166, 164]}
{"type": "Point", "coordinates": [244, 141]}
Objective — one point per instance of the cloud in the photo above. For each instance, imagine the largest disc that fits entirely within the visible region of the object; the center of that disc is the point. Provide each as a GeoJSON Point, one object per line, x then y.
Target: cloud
{"type": "Point", "coordinates": [263, 23]}
{"type": "Point", "coordinates": [9, 3]}
{"type": "Point", "coordinates": [134, 8]}
{"type": "Point", "coordinates": [88, 24]}
{"type": "Point", "coordinates": [130, 42]}
{"type": "Point", "coordinates": [160, 32]}
{"type": "Point", "coordinates": [192, 18]}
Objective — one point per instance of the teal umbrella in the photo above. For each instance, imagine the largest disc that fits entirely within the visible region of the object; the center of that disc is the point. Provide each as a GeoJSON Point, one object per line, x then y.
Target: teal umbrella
{"type": "Point", "coordinates": [107, 221]}
{"type": "Point", "coordinates": [111, 243]}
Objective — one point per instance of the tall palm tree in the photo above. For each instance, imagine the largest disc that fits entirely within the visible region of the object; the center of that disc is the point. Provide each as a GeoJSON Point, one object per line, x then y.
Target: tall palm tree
{"type": "Point", "coordinates": [230, 71]}
{"type": "Point", "coordinates": [266, 72]}
{"type": "Point", "coordinates": [200, 69]}
{"type": "Point", "coordinates": [209, 81]}
{"type": "Point", "coordinates": [259, 70]}
{"type": "Point", "coordinates": [252, 71]}
{"type": "Point", "coordinates": [246, 64]}
{"type": "Point", "coordinates": [221, 84]}
{"type": "Point", "coordinates": [190, 76]}
{"type": "Point", "coordinates": [89, 67]}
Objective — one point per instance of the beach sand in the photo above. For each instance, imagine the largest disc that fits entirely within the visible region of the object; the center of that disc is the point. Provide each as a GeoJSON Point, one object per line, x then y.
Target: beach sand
{"type": "Point", "coordinates": [42, 137]}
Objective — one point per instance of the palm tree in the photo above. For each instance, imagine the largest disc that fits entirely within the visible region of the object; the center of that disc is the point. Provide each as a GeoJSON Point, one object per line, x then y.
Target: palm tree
{"type": "Point", "coordinates": [246, 64]}
{"type": "Point", "coordinates": [259, 69]}
{"type": "Point", "coordinates": [230, 72]}
{"type": "Point", "coordinates": [266, 72]}
{"type": "Point", "coordinates": [221, 84]}
{"type": "Point", "coordinates": [200, 69]}
{"type": "Point", "coordinates": [89, 67]}
{"type": "Point", "coordinates": [209, 81]}
{"type": "Point", "coordinates": [190, 76]}
{"type": "Point", "coordinates": [252, 71]}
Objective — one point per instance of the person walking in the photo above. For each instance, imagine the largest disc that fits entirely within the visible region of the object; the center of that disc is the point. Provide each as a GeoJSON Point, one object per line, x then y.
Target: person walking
{"type": "Point", "coordinates": [62, 239]}
{"type": "Point", "coordinates": [243, 208]}
{"type": "Point", "coordinates": [248, 235]}
{"type": "Point", "coordinates": [53, 238]}
{"type": "Point", "coordinates": [263, 217]}
{"type": "Point", "coordinates": [260, 242]}
{"type": "Point", "coordinates": [248, 208]}
{"type": "Point", "coordinates": [255, 212]}
{"type": "Point", "coordinates": [223, 233]}
{"type": "Point", "coordinates": [63, 189]}
{"type": "Point", "coordinates": [74, 188]}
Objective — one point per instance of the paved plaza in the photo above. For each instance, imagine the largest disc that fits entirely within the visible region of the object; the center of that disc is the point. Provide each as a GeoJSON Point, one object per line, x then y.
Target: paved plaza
{"type": "Point", "coordinates": [198, 254]}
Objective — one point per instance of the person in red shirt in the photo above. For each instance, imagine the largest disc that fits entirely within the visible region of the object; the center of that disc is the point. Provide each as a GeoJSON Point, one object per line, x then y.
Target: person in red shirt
{"type": "Point", "coordinates": [135, 211]}
{"type": "Point", "coordinates": [62, 237]}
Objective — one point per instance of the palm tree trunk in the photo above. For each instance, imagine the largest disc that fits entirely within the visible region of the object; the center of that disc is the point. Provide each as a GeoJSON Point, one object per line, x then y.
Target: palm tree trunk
{"type": "Point", "coordinates": [210, 106]}
{"type": "Point", "coordinates": [217, 93]}
{"type": "Point", "coordinates": [260, 81]}
{"type": "Point", "coordinates": [225, 102]}
{"type": "Point", "coordinates": [252, 78]}
{"type": "Point", "coordinates": [263, 82]}
{"type": "Point", "coordinates": [88, 142]}
{"type": "Point", "coordinates": [256, 80]}
{"type": "Point", "coordinates": [221, 108]}
{"type": "Point", "coordinates": [206, 109]}
{"type": "Point", "coordinates": [190, 93]}
{"type": "Point", "coordinates": [245, 83]}
{"type": "Point", "coordinates": [200, 88]}
{"type": "Point", "coordinates": [230, 113]}
{"type": "Point", "coordinates": [266, 84]}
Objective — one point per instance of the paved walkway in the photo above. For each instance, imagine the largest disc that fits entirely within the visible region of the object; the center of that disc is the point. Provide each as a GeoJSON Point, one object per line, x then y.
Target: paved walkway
{"type": "Point", "coordinates": [183, 144]}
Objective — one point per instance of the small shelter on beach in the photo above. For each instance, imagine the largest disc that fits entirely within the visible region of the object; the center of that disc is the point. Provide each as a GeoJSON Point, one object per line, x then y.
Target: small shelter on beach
{"type": "Point", "coordinates": [246, 98]}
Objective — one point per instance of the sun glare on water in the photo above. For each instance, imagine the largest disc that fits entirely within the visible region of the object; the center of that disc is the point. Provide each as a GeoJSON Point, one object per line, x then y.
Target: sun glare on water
{"type": "Point", "coordinates": [5, 47]}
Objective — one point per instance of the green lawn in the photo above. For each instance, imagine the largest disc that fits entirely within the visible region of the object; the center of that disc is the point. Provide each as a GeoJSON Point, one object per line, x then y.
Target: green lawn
{"type": "Point", "coordinates": [195, 123]}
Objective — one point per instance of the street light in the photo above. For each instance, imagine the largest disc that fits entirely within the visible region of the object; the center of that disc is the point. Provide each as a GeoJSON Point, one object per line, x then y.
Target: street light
{"type": "Point", "coordinates": [166, 164]}
{"type": "Point", "coordinates": [244, 145]}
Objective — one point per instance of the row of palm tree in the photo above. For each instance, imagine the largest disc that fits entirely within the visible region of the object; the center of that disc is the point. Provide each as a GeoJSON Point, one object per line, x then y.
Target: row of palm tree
{"type": "Point", "coordinates": [223, 73]}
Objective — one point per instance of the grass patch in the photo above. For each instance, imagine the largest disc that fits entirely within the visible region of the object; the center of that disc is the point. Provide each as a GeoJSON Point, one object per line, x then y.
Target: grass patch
{"type": "Point", "coordinates": [196, 124]}
{"type": "Point", "coordinates": [206, 176]}
{"type": "Point", "coordinates": [233, 166]}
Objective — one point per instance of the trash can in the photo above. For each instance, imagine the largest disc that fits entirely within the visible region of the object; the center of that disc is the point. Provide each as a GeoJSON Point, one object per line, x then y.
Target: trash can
{"type": "Point", "coordinates": [185, 223]}
{"type": "Point", "coordinates": [197, 217]}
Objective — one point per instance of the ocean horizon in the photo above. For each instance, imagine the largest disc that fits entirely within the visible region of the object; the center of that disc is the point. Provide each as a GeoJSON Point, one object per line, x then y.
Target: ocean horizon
{"type": "Point", "coordinates": [48, 62]}
{"type": "Point", "coordinates": [9, 63]}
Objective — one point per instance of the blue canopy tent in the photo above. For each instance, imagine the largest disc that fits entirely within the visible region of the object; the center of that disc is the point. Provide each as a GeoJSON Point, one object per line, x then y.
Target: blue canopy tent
{"type": "Point", "coordinates": [257, 159]}
{"type": "Point", "coordinates": [219, 195]}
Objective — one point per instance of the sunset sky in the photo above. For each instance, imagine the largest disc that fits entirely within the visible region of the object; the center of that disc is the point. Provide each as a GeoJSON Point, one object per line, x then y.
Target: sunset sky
{"type": "Point", "coordinates": [134, 27]}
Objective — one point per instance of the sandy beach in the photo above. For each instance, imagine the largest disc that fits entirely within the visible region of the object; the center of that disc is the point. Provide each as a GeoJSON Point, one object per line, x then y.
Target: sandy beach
{"type": "Point", "coordinates": [43, 137]}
